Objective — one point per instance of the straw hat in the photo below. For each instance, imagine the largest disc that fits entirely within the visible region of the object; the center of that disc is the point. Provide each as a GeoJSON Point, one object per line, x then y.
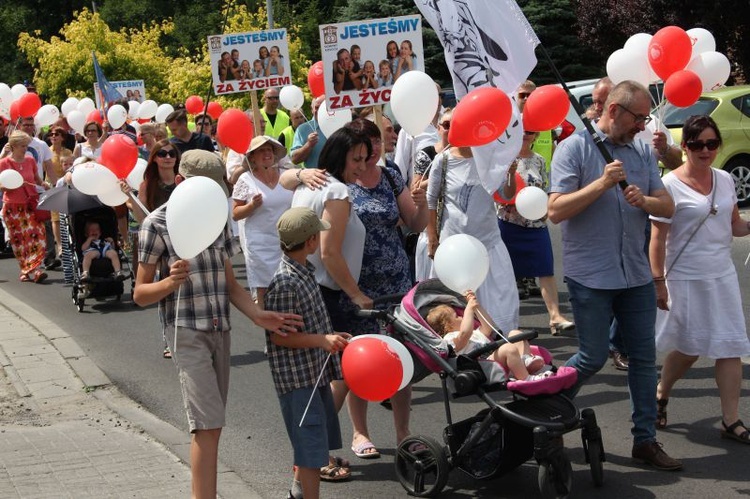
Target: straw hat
{"type": "Point", "coordinates": [279, 151]}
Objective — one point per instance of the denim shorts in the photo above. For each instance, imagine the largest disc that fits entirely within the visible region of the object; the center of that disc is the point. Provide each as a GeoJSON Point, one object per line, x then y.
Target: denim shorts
{"type": "Point", "coordinates": [320, 431]}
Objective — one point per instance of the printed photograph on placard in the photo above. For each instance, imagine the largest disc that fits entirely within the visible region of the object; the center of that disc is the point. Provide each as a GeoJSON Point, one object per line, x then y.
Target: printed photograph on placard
{"type": "Point", "coordinates": [249, 61]}
{"type": "Point", "coordinates": [363, 59]}
{"type": "Point", "coordinates": [129, 89]}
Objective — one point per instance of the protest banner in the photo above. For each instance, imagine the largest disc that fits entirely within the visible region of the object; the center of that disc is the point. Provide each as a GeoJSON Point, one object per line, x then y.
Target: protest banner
{"type": "Point", "coordinates": [128, 89]}
{"type": "Point", "coordinates": [241, 62]}
{"type": "Point", "coordinates": [362, 59]}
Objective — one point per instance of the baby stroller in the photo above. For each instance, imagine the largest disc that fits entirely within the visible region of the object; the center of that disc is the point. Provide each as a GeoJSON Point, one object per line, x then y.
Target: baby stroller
{"type": "Point", "coordinates": [102, 283]}
{"type": "Point", "coordinates": [501, 437]}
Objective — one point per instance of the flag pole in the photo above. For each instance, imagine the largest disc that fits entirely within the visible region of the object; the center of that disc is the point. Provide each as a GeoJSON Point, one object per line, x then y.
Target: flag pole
{"type": "Point", "coordinates": [580, 112]}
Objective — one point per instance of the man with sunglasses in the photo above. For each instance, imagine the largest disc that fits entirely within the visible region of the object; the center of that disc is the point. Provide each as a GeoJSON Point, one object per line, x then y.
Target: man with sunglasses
{"type": "Point", "coordinates": [606, 269]}
{"type": "Point", "coordinates": [276, 119]}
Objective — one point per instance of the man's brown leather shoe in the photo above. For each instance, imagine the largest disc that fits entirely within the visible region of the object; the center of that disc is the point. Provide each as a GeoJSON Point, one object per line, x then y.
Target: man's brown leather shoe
{"type": "Point", "coordinates": [619, 360]}
{"type": "Point", "coordinates": [653, 454]}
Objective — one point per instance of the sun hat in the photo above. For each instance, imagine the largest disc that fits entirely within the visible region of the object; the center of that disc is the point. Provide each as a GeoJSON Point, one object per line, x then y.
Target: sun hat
{"type": "Point", "coordinates": [297, 225]}
{"type": "Point", "coordinates": [279, 151]}
{"type": "Point", "coordinates": [200, 163]}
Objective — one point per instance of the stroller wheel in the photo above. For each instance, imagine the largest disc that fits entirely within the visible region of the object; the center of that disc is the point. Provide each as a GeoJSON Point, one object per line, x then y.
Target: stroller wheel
{"type": "Point", "coordinates": [422, 466]}
{"type": "Point", "coordinates": [595, 456]}
{"type": "Point", "coordinates": [80, 305]}
{"type": "Point", "coordinates": [556, 478]}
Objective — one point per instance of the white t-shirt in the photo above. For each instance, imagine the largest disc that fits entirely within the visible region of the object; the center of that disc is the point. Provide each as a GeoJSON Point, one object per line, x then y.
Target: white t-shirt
{"type": "Point", "coordinates": [43, 154]}
{"type": "Point", "coordinates": [353, 245]}
{"type": "Point", "coordinates": [477, 339]}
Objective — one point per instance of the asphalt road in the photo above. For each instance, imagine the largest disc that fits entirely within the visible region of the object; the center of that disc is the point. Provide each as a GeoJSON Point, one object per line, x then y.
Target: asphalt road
{"type": "Point", "coordinates": [125, 341]}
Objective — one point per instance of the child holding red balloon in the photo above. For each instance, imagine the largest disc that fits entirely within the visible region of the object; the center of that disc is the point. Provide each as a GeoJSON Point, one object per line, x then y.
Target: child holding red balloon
{"type": "Point", "coordinates": [516, 358]}
{"type": "Point", "coordinates": [300, 368]}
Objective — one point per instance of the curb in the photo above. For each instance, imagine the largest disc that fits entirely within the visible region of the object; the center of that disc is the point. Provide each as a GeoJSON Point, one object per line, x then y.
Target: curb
{"type": "Point", "coordinates": [96, 382]}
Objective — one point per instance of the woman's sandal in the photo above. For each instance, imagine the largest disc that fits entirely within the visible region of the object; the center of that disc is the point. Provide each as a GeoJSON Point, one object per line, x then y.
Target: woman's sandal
{"type": "Point", "coordinates": [728, 432]}
{"type": "Point", "coordinates": [661, 413]}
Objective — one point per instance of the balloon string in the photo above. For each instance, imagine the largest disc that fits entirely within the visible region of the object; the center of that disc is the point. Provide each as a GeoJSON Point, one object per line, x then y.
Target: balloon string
{"type": "Point", "coordinates": [176, 318]}
{"type": "Point", "coordinates": [138, 202]}
{"type": "Point", "coordinates": [313, 391]}
{"type": "Point", "coordinates": [492, 325]}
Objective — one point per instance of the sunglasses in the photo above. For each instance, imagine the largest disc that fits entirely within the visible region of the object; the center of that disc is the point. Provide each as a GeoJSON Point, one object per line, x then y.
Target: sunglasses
{"type": "Point", "coordinates": [523, 95]}
{"type": "Point", "coordinates": [203, 123]}
{"type": "Point", "coordinates": [163, 153]}
{"type": "Point", "coordinates": [446, 125]}
{"type": "Point", "coordinates": [272, 98]}
{"type": "Point", "coordinates": [54, 134]}
{"type": "Point", "coordinates": [526, 132]}
{"type": "Point", "coordinates": [698, 145]}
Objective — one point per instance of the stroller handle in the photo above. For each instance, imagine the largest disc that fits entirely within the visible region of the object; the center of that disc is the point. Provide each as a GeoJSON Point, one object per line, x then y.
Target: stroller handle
{"type": "Point", "coordinates": [494, 345]}
{"type": "Point", "coordinates": [377, 312]}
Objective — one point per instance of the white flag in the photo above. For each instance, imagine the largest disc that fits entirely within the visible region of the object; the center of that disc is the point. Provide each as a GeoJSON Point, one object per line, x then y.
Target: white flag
{"type": "Point", "coordinates": [486, 43]}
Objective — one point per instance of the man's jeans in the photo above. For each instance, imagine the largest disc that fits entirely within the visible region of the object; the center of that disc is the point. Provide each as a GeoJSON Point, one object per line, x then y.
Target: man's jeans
{"type": "Point", "coordinates": [635, 311]}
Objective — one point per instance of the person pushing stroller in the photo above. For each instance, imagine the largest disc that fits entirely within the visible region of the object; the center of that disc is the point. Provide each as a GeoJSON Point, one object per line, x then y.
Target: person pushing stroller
{"type": "Point", "coordinates": [515, 358]}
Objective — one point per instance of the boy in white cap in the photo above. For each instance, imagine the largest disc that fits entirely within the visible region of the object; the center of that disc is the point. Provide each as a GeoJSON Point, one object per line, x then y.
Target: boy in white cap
{"type": "Point", "coordinates": [203, 343]}
{"type": "Point", "coordinates": [300, 368]}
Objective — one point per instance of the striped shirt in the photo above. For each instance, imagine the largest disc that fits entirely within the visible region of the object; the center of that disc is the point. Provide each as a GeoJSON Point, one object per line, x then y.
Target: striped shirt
{"type": "Point", "coordinates": [204, 297]}
{"type": "Point", "coordinates": [293, 289]}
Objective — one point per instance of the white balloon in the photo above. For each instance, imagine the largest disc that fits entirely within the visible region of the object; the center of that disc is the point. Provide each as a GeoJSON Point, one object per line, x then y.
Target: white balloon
{"type": "Point", "coordinates": [133, 107]}
{"type": "Point", "coordinates": [399, 349]}
{"type": "Point", "coordinates": [76, 120]}
{"type": "Point", "coordinates": [18, 90]}
{"type": "Point", "coordinates": [148, 109]}
{"type": "Point", "coordinates": [6, 99]}
{"type": "Point", "coordinates": [193, 226]}
{"type": "Point", "coordinates": [702, 40]}
{"type": "Point", "coordinates": [531, 203]}
{"type": "Point", "coordinates": [163, 111]}
{"type": "Point", "coordinates": [135, 177]}
{"type": "Point", "coordinates": [625, 64]}
{"type": "Point", "coordinates": [461, 262]}
{"type": "Point", "coordinates": [86, 105]}
{"type": "Point", "coordinates": [46, 115]}
{"type": "Point", "coordinates": [414, 101]}
{"type": "Point", "coordinates": [291, 97]}
{"type": "Point", "coordinates": [712, 68]}
{"type": "Point", "coordinates": [638, 46]}
{"type": "Point", "coordinates": [70, 104]}
{"type": "Point", "coordinates": [113, 196]}
{"type": "Point", "coordinates": [117, 115]}
{"type": "Point", "coordinates": [93, 179]}
{"type": "Point", "coordinates": [330, 121]}
{"type": "Point", "coordinates": [10, 179]}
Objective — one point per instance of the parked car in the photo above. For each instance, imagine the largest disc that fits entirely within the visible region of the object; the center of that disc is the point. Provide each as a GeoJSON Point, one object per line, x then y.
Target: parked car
{"type": "Point", "coordinates": [730, 108]}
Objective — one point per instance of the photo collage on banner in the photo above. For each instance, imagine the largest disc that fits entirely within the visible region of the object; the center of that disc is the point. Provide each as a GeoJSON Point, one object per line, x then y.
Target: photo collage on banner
{"type": "Point", "coordinates": [129, 89]}
{"type": "Point", "coordinates": [363, 59]}
{"type": "Point", "coordinates": [249, 61]}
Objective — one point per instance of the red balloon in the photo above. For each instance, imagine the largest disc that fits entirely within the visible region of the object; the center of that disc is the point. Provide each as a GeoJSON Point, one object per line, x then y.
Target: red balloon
{"type": "Point", "coordinates": [119, 154]}
{"type": "Point", "coordinates": [520, 184]}
{"type": "Point", "coordinates": [14, 112]}
{"type": "Point", "coordinates": [194, 104]}
{"type": "Point", "coordinates": [315, 79]}
{"type": "Point", "coordinates": [683, 88]}
{"type": "Point", "coordinates": [371, 369]}
{"type": "Point", "coordinates": [95, 115]}
{"type": "Point", "coordinates": [235, 130]}
{"type": "Point", "coordinates": [481, 116]}
{"type": "Point", "coordinates": [670, 50]}
{"type": "Point", "coordinates": [545, 108]}
{"type": "Point", "coordinates": [28, 104]}
{"type": "Point", "coordinates": [215, 109]}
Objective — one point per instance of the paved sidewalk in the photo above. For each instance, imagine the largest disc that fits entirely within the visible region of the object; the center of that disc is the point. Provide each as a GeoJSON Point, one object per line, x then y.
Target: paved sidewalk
{"type": "Point", "coordinates": [65, 431]}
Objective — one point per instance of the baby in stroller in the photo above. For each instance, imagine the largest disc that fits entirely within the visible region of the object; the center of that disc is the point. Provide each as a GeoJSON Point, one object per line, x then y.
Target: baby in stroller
{"type": "Point", "coordinates": [459, 332]}
{"type": "Point", "coordinates": [95, 247]}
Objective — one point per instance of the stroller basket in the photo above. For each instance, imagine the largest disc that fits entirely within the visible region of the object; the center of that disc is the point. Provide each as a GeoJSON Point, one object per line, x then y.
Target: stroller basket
{"type": "Point", "coordinates": [492, 445]}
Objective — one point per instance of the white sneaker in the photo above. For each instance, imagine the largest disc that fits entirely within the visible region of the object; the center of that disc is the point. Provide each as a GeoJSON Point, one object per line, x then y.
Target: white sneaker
{"type": "Point", "coordinates": [533, 363]}
{"type": "Point", "coordinates": [537, 377]}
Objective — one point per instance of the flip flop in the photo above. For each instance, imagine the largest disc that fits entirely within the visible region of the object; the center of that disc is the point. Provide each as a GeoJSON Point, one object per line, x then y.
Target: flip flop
{"type": "Point", "coordinates": [360, 450]}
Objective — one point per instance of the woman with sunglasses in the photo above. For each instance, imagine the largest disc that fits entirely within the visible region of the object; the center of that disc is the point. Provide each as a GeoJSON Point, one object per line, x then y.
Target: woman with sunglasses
{"type": "Point", "coordinates": [92, 147]}
{"type": "Point", "coordinates": [528, 241]}
{"type": "Point", "coordinates": [700, 307]}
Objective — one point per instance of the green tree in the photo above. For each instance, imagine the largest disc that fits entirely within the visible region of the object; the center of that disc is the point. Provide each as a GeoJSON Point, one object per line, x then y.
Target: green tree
{"type": "Point", "coordinates": [556, 26]}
